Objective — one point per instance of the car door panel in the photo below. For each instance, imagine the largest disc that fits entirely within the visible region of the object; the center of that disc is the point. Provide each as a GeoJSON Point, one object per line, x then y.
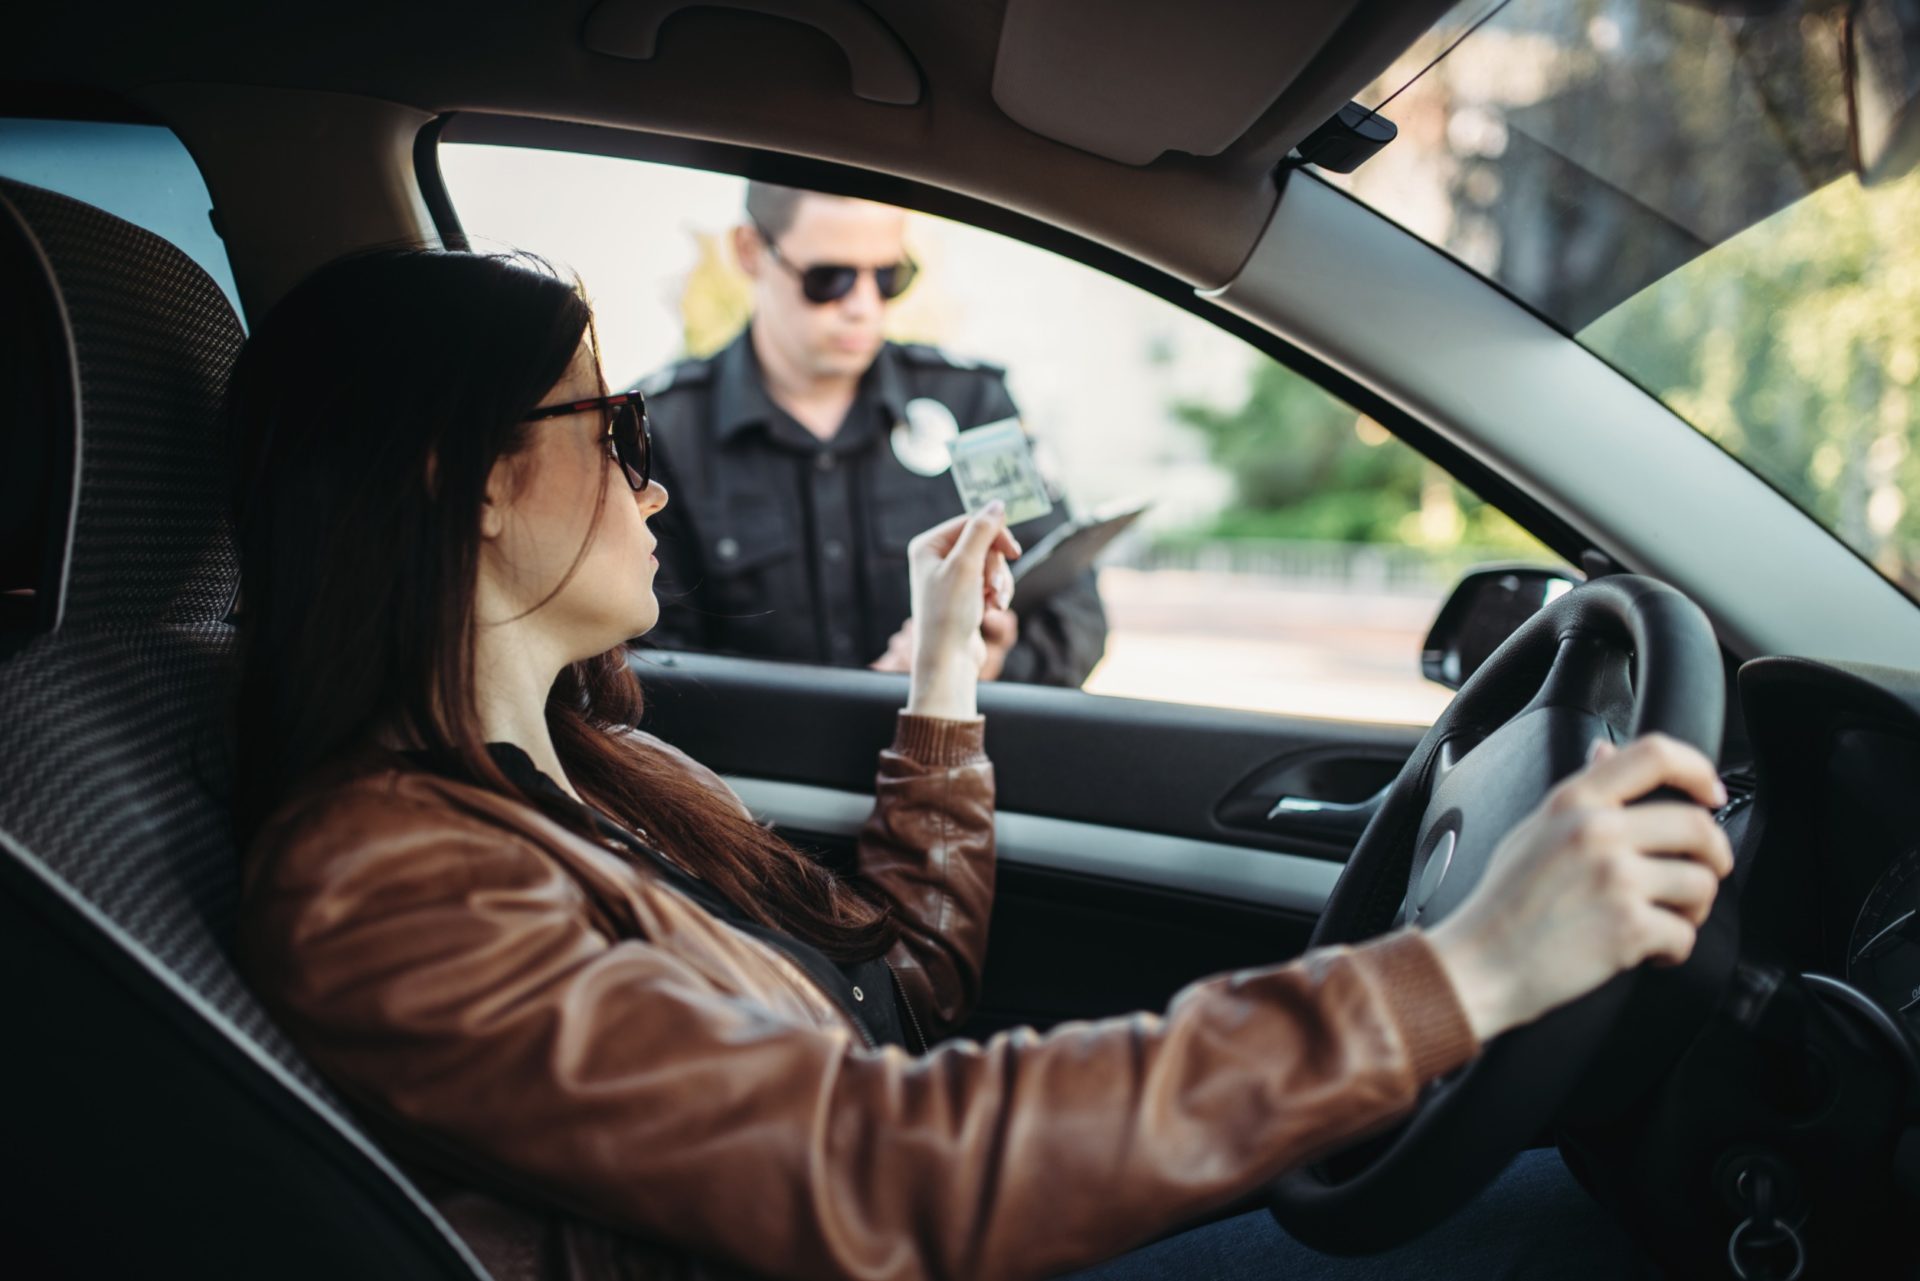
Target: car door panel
{"type": "Point", "coordinates": [1129, 863]}
{"type": "Point", "coordinates": [1112, 762]}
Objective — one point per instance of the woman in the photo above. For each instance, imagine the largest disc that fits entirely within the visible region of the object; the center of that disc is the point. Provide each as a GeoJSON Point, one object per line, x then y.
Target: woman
{"type": "Point", "coordinates": [619, 1028]}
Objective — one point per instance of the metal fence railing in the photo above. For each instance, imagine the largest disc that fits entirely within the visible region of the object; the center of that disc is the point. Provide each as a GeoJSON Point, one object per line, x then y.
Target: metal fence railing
{"type": "Point", "coordinates": [1357, 567]}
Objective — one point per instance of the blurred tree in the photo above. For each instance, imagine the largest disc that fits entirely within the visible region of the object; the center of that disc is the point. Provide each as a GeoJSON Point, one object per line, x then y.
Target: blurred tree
{"type": "Point", "coordinates": [1306, 466]}
{"type": "Point", "coordinates": [1796, 346]}
{"type": "Point", "coordinates": [717, 297]}
{"type": "Point", "coordinates": [1675, 188]}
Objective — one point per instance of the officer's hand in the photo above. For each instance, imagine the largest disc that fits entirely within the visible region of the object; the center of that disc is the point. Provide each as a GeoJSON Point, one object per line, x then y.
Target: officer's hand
{"type": "Point", "coordinates": [955, 568]}
{"type": "Point", "coordinates": [899, 655]}
{"type": "Point", "coordinates": [999, 628]}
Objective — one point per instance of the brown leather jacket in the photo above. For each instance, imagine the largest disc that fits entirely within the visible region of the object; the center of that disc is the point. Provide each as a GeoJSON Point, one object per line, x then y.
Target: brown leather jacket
{"type": "Point", "coordinates": [593, 1077]}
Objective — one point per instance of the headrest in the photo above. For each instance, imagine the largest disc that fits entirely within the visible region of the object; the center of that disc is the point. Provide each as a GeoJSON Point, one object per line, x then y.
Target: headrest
{"type": "Point", "coordinates": [148, 342]}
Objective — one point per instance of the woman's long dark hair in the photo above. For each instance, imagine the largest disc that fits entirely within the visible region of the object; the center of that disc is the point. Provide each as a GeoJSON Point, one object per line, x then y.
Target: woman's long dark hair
{"type": "Point", "coordinates": [369, 408]}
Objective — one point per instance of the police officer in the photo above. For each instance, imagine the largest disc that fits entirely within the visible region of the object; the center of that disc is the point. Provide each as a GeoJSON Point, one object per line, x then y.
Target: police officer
{"type": "Point", "coordinates": [804, 455]}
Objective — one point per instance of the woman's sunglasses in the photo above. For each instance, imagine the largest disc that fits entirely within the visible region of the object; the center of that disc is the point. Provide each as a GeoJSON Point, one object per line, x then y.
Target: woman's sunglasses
{"type": "Point", "coordinates": [628, 439]}
{"type": "Point", "coordinates": [828, 282]}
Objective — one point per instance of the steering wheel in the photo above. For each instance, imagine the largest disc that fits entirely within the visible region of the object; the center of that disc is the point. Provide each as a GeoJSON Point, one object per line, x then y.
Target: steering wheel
{"type": "Point", "coordinates": [1620, 651]}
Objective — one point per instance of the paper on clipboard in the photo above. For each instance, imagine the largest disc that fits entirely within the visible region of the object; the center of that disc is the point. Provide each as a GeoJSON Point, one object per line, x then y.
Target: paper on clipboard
{"type": "Point", "coordinates": [1057, 560]}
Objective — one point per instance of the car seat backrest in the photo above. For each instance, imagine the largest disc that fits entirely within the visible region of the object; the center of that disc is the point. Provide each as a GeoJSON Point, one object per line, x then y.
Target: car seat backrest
{"type": "Point", "coordinates": [37, 442]}
{"type": "Point", "coordinates": [156, 1122]}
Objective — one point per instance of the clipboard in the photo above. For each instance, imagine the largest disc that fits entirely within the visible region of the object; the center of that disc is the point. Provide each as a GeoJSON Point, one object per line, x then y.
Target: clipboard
{"type": "Point", "coordinates": [1056, 561]}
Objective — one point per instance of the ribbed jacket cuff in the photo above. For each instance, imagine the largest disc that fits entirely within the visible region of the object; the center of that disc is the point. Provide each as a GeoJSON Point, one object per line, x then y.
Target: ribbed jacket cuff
{"type": "Point", "coordinates": [942, 743]}
{"type": "Point", "coordinates": [1422, 1002]}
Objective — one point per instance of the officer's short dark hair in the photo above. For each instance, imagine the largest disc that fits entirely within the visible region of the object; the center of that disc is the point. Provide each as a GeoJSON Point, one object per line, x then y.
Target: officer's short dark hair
{"type": "Point", "coordinates": [772, 208]}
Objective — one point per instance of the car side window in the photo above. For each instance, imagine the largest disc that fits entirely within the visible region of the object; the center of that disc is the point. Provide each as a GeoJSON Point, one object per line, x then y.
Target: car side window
{"type": "Point", "coordinates": [1292, 552]}
{"type": "Point", "coordinates": [141, 173]}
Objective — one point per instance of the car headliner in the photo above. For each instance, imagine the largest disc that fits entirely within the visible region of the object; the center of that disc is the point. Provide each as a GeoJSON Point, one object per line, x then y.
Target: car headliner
{"type": "Point", "coordinates": [726, 74]}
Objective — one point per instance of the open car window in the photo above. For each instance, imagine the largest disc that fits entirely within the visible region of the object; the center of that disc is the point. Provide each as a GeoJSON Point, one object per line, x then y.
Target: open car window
{"type": "Point", "coordinates": [1293, 553]}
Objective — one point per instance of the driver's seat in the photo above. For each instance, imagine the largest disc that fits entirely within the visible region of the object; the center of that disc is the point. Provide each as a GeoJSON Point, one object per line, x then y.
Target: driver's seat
{"type": "Point", "coordinates": [155, 1122]}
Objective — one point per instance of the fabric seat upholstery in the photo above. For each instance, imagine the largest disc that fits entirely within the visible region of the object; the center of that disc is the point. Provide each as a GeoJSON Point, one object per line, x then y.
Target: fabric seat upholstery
{"type": "Point", "coordinates": [155, 1122]}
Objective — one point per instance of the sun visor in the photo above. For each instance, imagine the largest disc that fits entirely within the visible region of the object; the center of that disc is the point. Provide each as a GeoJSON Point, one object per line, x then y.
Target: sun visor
{"type": "Point", "coordinates": [1132, 79]}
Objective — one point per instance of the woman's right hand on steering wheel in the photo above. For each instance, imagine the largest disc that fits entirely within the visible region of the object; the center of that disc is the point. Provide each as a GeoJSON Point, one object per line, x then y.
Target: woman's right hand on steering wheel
{"type": "Point", "coordinates": [1589, 885]}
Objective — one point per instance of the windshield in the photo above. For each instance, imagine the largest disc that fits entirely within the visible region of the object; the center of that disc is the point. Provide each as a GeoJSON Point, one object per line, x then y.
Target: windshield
{"type": "Point", "coordinates": [1674, 189]}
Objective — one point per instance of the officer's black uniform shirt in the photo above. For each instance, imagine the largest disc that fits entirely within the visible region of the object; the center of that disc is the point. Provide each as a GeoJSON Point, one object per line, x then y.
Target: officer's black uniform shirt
{"type": "Point", "coordinates": [778, 544]}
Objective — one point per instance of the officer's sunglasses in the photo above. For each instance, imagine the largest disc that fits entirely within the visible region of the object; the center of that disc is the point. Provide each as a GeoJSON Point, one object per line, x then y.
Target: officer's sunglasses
{"type": "Point", "coordinates": [829, 282]}
{"type": "Point", "coordinates": [628, 439]}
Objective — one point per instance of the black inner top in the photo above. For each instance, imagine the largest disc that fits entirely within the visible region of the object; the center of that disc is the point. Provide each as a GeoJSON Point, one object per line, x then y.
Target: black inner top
{"type": "Point", "coordinates": [864, 989]}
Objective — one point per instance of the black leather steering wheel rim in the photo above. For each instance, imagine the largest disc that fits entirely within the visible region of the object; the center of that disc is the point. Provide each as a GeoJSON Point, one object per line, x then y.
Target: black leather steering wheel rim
{"type": "Point", "coordinates": [1620, 656]}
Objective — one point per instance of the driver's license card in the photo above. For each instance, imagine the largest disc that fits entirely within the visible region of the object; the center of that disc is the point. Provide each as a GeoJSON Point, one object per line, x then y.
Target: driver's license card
{"type": "Point", "coordinates": [995, 461]}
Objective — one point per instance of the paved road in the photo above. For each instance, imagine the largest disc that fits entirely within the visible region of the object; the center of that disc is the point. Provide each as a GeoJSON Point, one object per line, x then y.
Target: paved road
{"type": "Point", "coordinates": [1233, 641]}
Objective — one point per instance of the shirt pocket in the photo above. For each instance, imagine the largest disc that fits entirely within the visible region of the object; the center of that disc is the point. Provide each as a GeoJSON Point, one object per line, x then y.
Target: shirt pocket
{"type": "Point", "coordinates": [752, 563]}
{"type": "Point", "coordinates": [898, 517]}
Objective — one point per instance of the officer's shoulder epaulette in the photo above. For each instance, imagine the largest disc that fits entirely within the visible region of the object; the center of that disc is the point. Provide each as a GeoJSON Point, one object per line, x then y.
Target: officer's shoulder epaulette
{"type": "Point", "coordinates": [926, 354]}
{"type": "Point", "coordinates": [682, 373]}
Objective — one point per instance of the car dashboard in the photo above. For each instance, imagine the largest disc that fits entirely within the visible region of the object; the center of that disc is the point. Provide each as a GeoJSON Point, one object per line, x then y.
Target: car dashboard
{"type": "Point", "coordinates": [1829, 839]}
{"type": "Point", "coordinates": [1785, 1138]}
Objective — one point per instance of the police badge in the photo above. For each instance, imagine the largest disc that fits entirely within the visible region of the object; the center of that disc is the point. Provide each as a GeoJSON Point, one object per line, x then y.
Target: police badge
{"type": "Point", "coordinates": [921, 439]}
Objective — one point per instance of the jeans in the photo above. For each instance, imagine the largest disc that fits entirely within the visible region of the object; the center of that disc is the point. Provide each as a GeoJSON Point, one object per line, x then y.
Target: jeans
{"type": "Point", "coordinates": [1533, 1221]}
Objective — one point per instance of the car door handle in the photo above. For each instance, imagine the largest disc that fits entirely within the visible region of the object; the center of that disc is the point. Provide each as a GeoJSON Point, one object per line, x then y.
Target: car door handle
{"type": "Point", "coordinates": [1335, 820]}
{"type": "Point", "coordinates": [1322, 797]}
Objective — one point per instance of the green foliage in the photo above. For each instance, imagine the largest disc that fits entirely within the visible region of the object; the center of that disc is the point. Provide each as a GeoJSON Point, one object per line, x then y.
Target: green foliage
{"type": "Point", "coordinates": [1291, 448]}
{"type": "Point", "coordinates": [1796, 346]}
{"type": "Point", "coordinates": [1306, 466]}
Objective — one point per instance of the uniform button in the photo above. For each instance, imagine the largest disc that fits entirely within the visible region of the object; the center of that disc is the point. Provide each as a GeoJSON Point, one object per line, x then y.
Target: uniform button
{"type": "Point", "coordinates": [842, 643]}
{"type": "Point", "coordinates": [726, 549]}
{"type": "Point", "coordinates": [858, 995]}
{"type": "Point", "coordinates": [824, 460]}
{"type": "Point", "coordinates": [834, 549]}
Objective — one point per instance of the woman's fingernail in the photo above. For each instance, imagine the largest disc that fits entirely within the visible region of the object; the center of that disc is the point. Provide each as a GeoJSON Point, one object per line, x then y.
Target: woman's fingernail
{"type": "Point", "coordinates": [1719, 793]}
{"type": "Point", "coordinates": [995, 507]}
